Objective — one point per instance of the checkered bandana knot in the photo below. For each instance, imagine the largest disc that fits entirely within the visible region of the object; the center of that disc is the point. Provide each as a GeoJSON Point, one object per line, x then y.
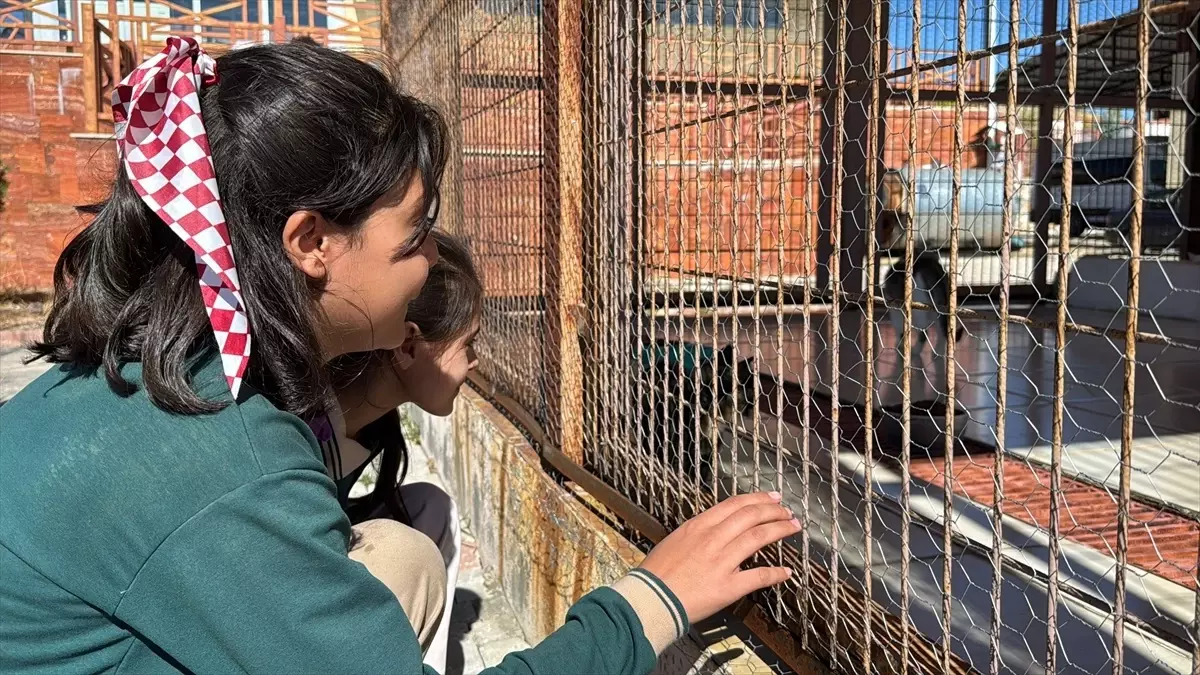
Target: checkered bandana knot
{"type": "Point", "coordinates": [163, 145]}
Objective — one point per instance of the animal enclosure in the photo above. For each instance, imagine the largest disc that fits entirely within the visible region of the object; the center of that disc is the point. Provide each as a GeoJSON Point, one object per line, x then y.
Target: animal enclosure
{"type": "Point", "coordinates": [687, 212]}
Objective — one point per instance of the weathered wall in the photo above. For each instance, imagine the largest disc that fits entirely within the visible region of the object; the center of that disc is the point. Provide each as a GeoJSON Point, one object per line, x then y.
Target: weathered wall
{"type": "Point", "coordinates": [546, 549]}
{"type": "Point", "coordinates": [49, 172]}
{"type": "Point", "coordinates": [544, 546]}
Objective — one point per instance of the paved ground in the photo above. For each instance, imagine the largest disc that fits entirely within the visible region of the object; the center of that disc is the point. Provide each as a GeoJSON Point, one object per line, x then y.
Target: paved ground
{"type": "Point", "coordinates": [483, 625]}
{"type": "Point", "coordinates": [14, 374]}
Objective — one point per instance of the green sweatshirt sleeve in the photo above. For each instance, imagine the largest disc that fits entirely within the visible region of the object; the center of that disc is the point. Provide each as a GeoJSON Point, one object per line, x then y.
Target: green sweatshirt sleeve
{"type": "Point", "coordinates": [619, 629]}
{"type": "Point", "coordinates": [259, 581]}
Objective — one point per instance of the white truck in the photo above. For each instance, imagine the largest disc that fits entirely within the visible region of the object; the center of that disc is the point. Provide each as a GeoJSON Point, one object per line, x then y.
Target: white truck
{"type": "Point", "coordinates": [1102, 194]}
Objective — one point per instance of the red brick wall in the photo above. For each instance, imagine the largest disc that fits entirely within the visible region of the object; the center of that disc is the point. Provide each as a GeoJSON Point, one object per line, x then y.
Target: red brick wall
{"type": "Point", "coordinates": [41, 105]}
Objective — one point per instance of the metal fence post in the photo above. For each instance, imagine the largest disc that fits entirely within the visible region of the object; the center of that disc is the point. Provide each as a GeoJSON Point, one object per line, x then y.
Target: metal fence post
{"type": "Point", "coordinates": [562, 200]}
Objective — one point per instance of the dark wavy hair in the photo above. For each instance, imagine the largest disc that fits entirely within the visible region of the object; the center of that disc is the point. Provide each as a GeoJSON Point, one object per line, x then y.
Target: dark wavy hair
{"type": "Point", "coordinates": [291, 127]}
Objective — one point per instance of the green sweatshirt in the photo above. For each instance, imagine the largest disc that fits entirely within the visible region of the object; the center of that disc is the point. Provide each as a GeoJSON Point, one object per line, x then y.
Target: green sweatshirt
{"type": "Point", "coordinates": [133, 540]}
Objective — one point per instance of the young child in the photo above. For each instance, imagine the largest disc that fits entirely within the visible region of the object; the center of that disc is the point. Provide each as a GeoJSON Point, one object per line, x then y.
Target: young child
{"type": "Point", "coordinates": [164, 503]}
{"type": "Point", "coordinates": [427, 370]}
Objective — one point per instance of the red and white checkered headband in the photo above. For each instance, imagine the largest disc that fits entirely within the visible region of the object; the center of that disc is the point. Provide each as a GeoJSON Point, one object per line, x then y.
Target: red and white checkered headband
{"type": "Point", "coordinates": [163, 145]}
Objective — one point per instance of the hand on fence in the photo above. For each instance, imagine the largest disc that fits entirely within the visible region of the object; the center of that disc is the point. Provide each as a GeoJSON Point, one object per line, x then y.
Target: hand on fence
{"type": "Point", "coordinates": [701, 561]}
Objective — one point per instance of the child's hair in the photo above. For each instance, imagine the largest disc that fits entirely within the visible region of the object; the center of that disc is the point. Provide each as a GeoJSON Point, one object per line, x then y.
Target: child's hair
{"type": "Point", "coordinates": [452, 297]}
{"type": "Point", "coordinates": [291, 127]}
{"type": "Point", "coordinates": [449, 302]}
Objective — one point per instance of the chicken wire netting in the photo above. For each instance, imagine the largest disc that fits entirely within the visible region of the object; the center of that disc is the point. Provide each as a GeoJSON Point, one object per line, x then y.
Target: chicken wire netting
{"type": "Point", "coordinates": [922, 267]}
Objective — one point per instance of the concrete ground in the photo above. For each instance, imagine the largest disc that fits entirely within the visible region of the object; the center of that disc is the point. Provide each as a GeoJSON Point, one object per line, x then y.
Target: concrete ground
{"type": "Point", "coordinates": [483, 625]}
{"type": "Point", "coordinates": [14, 373]}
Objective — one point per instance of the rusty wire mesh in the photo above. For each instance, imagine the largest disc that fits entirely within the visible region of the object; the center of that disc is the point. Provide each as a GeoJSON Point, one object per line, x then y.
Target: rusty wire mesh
{"type": "Point", "coordinates": [695, 220]}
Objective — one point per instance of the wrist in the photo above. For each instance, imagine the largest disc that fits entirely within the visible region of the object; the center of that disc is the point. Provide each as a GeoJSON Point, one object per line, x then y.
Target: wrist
{"type": "Point", "coordinates": [662, 615]}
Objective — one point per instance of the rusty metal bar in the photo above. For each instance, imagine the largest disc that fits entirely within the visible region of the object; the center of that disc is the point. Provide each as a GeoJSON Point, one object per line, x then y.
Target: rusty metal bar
{"type": "Point", "coordinates": [760, 143]}
{"type": "Point", "coordinates": [965, 312]}
{"type": "Point", "coordinates": [630, 176]}
{"type": "Point", "coordinates": [714, 459]}
{"type": "Point", "coordinates": [835, 316]}
{"type": "Point", "coordinates": [906, 340]}
{"type": "Point", "coordinates": [805, 592]}
{"type": "Point", "coordinates": [718, 101]}
{"type": "Point", "coordinates": [1010, 193]}
{"type": "Point", "coordinates": [1037, 96]}
{"type": "Point", "coordinates": [951, 363]}
{"type": "Point", "coordinates": [1060, 338]}
{"type": "Point", "coordinates": [640, 221]}
{"type": "Point", "coordinates": [680, 510]}
{"type": "Point", "coordinates": [1128, 401]}
{"type": "Point", "coordinates": [876, 33]}
{"type": "Point", "coordinates": [658, 455]}
{"type": "Point", "coordinates": [614, 501]}
{"type": "Point", "coordinates": [562, 203]}
{"type": "Point", "coordinates": [784, 195]}
{"type": "Point", "coordinates": [736, 236]}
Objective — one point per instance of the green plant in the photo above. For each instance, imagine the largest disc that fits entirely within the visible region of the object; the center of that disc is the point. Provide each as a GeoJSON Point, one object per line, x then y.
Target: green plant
{"type": "Point", "coordinates": [412, 432]}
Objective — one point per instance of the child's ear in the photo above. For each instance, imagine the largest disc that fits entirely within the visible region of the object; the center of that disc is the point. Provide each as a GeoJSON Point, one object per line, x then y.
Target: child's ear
{"type": "Point", "coordinates": [406, 353]}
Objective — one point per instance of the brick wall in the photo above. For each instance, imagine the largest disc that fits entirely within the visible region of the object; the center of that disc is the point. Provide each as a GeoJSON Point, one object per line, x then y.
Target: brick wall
{"type": "Point", "coordinates": [49, 172]}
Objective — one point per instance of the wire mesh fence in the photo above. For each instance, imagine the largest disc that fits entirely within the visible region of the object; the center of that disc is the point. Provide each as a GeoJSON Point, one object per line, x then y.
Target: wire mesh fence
{"type": "Point", "coordinates": [922, 267]}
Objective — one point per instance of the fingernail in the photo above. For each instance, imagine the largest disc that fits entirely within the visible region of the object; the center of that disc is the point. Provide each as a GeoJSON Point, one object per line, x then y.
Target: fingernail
{"type": "Point", "coordinates": [789, 573]}
{"type": "Point", "coordinates": [795, 523]}
{"type": "Point", "coordinates": [775, 495]}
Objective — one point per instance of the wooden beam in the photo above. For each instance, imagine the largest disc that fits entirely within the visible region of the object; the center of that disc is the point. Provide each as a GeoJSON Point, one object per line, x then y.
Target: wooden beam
{"type": "Point", "coordinates": [87, 27]}
{"type": "Point", "coordinates": [562, 200]}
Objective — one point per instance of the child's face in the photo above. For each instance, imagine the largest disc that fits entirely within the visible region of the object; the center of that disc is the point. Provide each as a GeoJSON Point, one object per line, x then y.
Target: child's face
{"type": "Point", "coordinates": [437, 371]}
{"type": "Point", "coordinates": [367, 286]}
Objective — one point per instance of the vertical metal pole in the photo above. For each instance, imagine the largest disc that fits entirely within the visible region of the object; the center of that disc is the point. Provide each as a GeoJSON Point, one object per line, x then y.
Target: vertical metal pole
{"type": "Point", "coordinates": [906, 337]}
{"type": "Point", "coordinates": [874, 132]}
{"type": "Point", "coordinates": [562, 197]}
{"type": "Point", "coordinates": [739, 59]}
{"type": "Point", "coordinates": [1060, 338]}
{"type": "Point", "coordinates": [960, 99]}
{"type": "Point", "coordinates": [839, 176]}
{"type": "Point", "coordinates": [783, 152]}
{"type": "Point", "coordinates": [1010, 193]}
{"type": "Point", "coordinates": [811, 229]}
{"type": "Point", "coordinates": [1131, 326]}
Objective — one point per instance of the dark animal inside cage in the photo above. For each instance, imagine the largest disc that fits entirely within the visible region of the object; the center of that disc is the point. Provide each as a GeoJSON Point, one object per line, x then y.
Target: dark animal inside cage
{"type": "Point", "coordinates": [688, 390]}
{"type": "Point", "coordinates": [930, 288]}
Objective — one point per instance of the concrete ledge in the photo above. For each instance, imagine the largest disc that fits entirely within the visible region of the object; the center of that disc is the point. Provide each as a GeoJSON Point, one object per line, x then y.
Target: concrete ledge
{"type": "Point", "coordinates": [540, 540]}
{"type": "Point", "coordinates": [1169, 289]}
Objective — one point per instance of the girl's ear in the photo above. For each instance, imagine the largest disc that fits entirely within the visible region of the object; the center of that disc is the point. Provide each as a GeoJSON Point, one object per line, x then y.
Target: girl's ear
{"type": "Point", "coordinates": [306, 241]}
{"type": "Point", "coordinates": [406, 354]}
